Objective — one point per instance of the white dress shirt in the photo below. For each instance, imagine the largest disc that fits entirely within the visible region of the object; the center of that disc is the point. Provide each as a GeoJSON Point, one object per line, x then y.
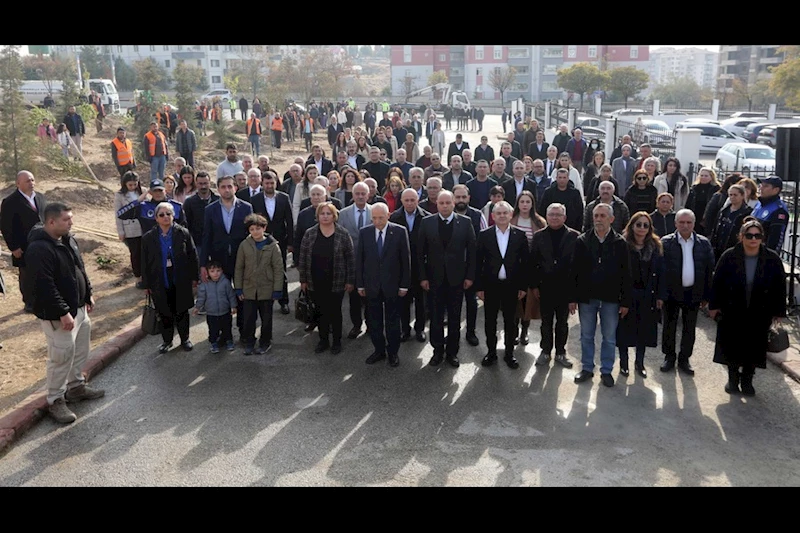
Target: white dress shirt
{"type": "Point", "coordinates": [502, 243]}
{"type": "Point", "coordinates": [269, 201]}
{"type": "Point", "coordinates": [687, 272]}
{"type": "Point", "coordinates": [30, 198]}
{"type": "Point", "coordinates": [448, 219]}
{"type": "Point", "coordinates": [253, 192]}
{"type": "Point", "coordinates": [519, 185]}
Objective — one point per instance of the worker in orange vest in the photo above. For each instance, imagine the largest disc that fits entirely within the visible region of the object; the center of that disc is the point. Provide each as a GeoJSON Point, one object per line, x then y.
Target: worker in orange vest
{"type": "Point", "coordinates": [216, 113]}
{"type": "Point", "coordinates": [122, 152]}
{"type": "Point", "coordinates": [277, 129]}
{"type": "Point", "coordinates": [253, 130]}
{"type": "Point", "coordinates": [156, 150]}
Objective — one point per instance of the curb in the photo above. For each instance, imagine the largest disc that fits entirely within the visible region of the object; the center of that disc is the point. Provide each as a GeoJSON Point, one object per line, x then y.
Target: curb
{"type": "Point", "coordinates": [33, 408]}
{"type": "Point", "coordinates": [789, 362]}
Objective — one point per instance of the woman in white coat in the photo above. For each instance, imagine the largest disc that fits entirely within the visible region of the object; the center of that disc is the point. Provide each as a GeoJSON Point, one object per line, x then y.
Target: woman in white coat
{"type": "Point", "coordinates": [437, 140]}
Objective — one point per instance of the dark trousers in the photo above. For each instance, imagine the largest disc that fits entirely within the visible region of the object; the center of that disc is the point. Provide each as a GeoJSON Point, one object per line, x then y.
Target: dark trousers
{"type": "Point", "coordinates": [329, 314]}
{"type": "Point", "coordinates": [25, 286]}
{"type": "Point", "coordinates": [553, 306]}
{"type": "Point", "coordinates": [383, 311]}
{"type": "Point", "coordinates": [688, 312]}
{"type": "Point", "coordinates": [276, 138]}
{"type": "Point", "coordinates": [220, 328]}
{"type": "Point", "coordinates": [446, 299]}
{"type": "Point", "coordinates": [262, 308]}
{"type": "Point", "coordinates": [189, 157]}
{"type": "Point", "coordinates": [471, 297]}
{"type": "Point", "coordinates": [417, 296]}
{"type": "Point", "coordinates": [174, 320]}
{"type": "Point", "coordinates": [285, 293]}
{"type": "Point", "coordinates": [623, 356]}
{"type": "Point", "coordinates": [239, 303]}
{"type": "Point", "coordinates": [500, 296]}
{"type": "Point", "coordinates": [134, 245]}
{"type": "Point", "coordinates": [243, 110]}
{"type": "Point", "coordinates": [124, 168]}
{"type": "Point", "coordinates": [309, 142]}
{"type": "Point", "coordinates": [357, 309]}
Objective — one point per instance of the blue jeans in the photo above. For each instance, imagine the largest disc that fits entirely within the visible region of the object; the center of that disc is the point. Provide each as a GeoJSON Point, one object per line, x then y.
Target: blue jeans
{"type": "Point", "coordinates": [609, 318]}
{"type": "Point", "coordinates": [157, 166]}
{"type": "Point", "coordinates": [255, 141]}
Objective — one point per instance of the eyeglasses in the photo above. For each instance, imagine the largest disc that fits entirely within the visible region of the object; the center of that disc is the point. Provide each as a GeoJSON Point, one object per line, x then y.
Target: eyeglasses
{"type": "Point", "coordinates": [642, 225]}
{"type": "Point", "coordinates": [754, 236]}
{"type": "Point", "coordinates": [164, 215]}
{"type": "Point", "coordinates": [642, 178]}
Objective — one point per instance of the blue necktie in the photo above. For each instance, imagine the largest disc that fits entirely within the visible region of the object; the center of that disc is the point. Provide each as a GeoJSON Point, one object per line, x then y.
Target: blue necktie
{"type": "Point", "coordinates": [360, 218]}
{"type": "Point", "coordinates": [380, 243]}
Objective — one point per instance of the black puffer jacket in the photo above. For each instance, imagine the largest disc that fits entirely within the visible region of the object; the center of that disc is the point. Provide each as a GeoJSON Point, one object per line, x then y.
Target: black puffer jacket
{"type": "Point", "coordinates": [55, 266]}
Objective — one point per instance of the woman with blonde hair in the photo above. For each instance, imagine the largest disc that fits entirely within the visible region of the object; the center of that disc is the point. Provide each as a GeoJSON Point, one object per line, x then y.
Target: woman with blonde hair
{"type": "Point", "coordinates": [393, 190]}
{"type": "Point", "coordinates": [639, 328]}
{"type": "Point", "coordinates": [703, 189]}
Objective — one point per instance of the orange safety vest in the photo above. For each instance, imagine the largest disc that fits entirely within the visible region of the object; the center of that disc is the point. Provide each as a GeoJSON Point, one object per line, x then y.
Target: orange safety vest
{"type": "Point", "coordinates": [215, 115]}
{"type": "Point", "coordinates": [158, 117]}
{"type": "Point", "coordinates": [258, 127]}
{"type": "Point", "coordinates": [124, 151]}
{"type": "Point", "coordinates": [277, 124]}
{"type": "Point", "coordinates": [151, 143]}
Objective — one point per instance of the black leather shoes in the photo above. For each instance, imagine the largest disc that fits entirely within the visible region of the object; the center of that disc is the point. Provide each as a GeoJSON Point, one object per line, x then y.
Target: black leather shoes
{"type": "Point", "coordinates": [524, 338]}
{"type": "Point", "coordinates": [187, 346]}
{"type": "Point", "coordinates": [436, 359]}
{"type": "Point", "coordinates": [285, 309]}
{"type": "Point", "coordinates": [561, 359]}
{"type": "Point", "coordinates": [511, 361]}
{"type": "Point", "coordinates": [641, 371]}
{"type": "Point", "coordinates": [582, 376]}
{"type": "Point", "coordinates": [686, 368]}
{"type": "Point", "coordinates": [453, 360]}
{"type": "Point", "coordinates": [404, 337]}
{"type": "Point", "coordinates": [164, 347]}
{"type": "Point", "coordinates": [336, 348]}
{"type": "Point", "coordinates": [624, 371]}
{"type": "Point", "coordinates": [472, 339]}
{"type": "Point", "coordinates": [421, 337]}
{"type": "Point", "coordinates": [354, 333]}
{"type": "Point", "coordinates": [394, 359]}
{"type": "Point", "coordinates": [309, 327]}
{"type": "Point", "coordinates": [375, 357]}
{"type": "Point", "coordinates": [489, 359]}
{"type": "Point", "coordinates": [607, 379]}
{"type": "Point", "coordinates": [543, 359]}
{"type": "Point", "coordinates": [667, 365]}
{"type": "Point", "coordinates": [321, 346]}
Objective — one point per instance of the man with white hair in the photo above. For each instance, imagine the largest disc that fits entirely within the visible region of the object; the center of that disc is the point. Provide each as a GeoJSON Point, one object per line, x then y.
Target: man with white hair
{"type": "Point", "coordinates": [373, 197]}
{"type": "Point", "coordinates": [551, 264]}
{"type": "Point", "coordinates": [253, 185]}
{"type": "Point", "coordinates": [602, 285]}
{"type": "Point", "coordinates": [623, 168]}
{"type": "Point", "coordinates": [690, 261]}
{"type": "Point", "coordinates": [621, 212]}
{"type": "Point", "coordinates": [352, 218]}
{"type": "Point", "coordinates": [383, 276]}
{"type": "Point", "coordinates": [322, 180]}
{"type": "Point", "coordinates": [468, 163]}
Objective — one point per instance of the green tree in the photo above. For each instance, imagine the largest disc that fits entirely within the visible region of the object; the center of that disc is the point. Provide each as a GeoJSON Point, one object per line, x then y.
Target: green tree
{"type": "Point", "coordinates": [187, 77]}
{"type": "Point", "coordinates": [581, 78]}
{"type": "Point", "coordinates": [438, 76]}
{"type": "Point", "coordinates": [149, 74]}
{"type": "Point", "coordinates": [682, 91]}
{"type": "Point", "coordinates": [251, 70]}
{"type": "Point", "coordinates": [365, 51]}
{"type": "Point", "coordinates": [315, 74]}
{"type": "Point", "coordinates": [17, 142]}
{"type": "Point", "coordinates": [785, 81]}
{"type": "Point", "coordinates": [126, 75]}
{"type": "Point", "coordinates": [500, 79]}
{"type": "Point", "coordinates": [95, 62]}
{"type": "Point", "coordinates": [757, 93]}
{"type": "Point", "coordinates": [627, 81]}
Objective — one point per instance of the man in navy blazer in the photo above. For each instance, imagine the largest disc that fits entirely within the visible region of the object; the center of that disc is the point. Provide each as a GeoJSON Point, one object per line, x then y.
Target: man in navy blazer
{"type": "Point", "coordinates": [383, 276]}
{"type": "Point", "coordinates": [223, 232]}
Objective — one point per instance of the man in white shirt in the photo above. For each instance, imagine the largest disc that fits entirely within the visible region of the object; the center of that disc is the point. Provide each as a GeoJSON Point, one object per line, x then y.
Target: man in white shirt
{"type": "Point", "coordinates": [231, 165]}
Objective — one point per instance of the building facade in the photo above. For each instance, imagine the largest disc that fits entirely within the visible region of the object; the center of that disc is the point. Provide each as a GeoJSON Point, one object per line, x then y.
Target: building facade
{"type": "Point", "coordinates": [747, 63]}
{"type": "Point", "coordinates": [695, 63]}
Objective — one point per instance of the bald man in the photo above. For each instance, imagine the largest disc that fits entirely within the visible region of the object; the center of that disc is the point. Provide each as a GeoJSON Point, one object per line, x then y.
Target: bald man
{"type": "Point", "coordinates": [20, 212]}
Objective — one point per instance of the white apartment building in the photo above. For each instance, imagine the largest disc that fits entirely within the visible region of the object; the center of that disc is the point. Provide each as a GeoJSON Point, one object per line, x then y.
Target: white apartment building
{"type": "Point", "coordinates": [695, 63]}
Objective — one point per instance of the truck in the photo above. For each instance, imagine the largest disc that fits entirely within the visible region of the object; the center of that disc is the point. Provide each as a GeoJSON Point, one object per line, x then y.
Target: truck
{"type": "Point", "coordinates": [455, 99]}
{"type": "Point", "coordinates": [35, 91]}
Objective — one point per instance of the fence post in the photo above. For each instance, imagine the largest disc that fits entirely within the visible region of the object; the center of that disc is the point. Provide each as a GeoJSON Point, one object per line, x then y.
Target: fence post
{"type": "Point", "coordinates": [570, 119]}
{"type": "Point", "coordinates": [687, 144]}
{"type": "Point", "coordinates": [598, 106]}
{"type": "Point", "coordinates": [546, 124]}
{"type": "Point", "coordinates": [656, 107]}
{"type": "Point", "coordinates": [611, 137]}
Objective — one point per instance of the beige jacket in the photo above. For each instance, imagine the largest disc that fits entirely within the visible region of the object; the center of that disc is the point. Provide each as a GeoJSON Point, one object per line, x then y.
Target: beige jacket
{"type": "Point", "coordinates": [258, 273]}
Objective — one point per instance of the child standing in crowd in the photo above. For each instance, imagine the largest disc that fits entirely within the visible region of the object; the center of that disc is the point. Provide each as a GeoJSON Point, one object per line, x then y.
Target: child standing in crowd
{"type": "Point", "coordinates": [63, 139]}
{"type": "Point", "coordinates": [217, 299]}
{"type": "Point", "coordinates": [258, 280]}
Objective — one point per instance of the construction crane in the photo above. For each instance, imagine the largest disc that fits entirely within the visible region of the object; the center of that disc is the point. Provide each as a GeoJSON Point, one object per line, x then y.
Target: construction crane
{"type": "Point", "coordinates": [455, 99]}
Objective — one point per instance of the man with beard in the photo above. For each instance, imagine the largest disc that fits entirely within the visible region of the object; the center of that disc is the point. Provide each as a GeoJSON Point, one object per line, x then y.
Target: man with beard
{"type": "Point", "coordinates": [377, 169]}
{"type": "Point", "coordinates": [480, 186]}
{"type": "Point", "coordinates": [354, 160]}
{"type": "Point", "coordinates": [455, 175]}
{"type": "Point", "coordinates": [229, 167]}
{"type": "Point", "coordinates": [462, 207]}
{"type": "Point", "coordinates": [195, 205]}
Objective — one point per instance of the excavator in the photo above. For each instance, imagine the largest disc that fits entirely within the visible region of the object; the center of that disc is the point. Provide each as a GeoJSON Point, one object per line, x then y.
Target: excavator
{"type": "Point", "coordinates": [455, 99]}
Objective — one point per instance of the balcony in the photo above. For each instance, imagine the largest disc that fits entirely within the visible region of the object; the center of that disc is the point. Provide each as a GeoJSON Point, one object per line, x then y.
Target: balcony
{"type": "Point", "coordinates": [192, 54]}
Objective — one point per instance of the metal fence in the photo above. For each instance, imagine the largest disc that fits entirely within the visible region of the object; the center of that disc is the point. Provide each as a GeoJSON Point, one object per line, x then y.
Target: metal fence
{"type": "Point", "coordinates": [662, 141]}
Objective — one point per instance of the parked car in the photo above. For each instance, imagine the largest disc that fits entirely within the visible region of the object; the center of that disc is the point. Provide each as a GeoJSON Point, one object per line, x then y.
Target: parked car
{"type": "Point", "coordinates": [626, 112]}
{"type": "Point", "coordinates": [588, 122]}
{"type": "Point", "coordinates": [767, 136]}
{"type": "Point", "coordinates": [749, 114]}
{"type": "Point", "coordinates": [738, 125]}
{"type": "Point", "coordinates": [657, 132]}
{"type": "Point", "coordinates": [590, 133]}
{"type": "Point", "coordinates": [751, 132]}
{"type": "Point", "coordinates": [712, 136]}
{"type": "Point", "coordinates": [223, 94]}
{"type": "Point", "coordinates": [744, 157]}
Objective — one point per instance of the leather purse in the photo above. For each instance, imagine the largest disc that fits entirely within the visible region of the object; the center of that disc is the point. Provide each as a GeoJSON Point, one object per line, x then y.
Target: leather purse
{"type": "Point", "coordinates": [777, 339]}
{"type": "Point", "coordinates": [151, 320]}
{"type": "Point", "coordinates": [304, 308]}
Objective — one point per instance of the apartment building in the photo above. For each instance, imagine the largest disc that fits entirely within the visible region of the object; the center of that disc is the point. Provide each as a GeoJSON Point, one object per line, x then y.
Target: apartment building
{"type": "Point", "coordinates": [695, 63]}
{"type": "Point", "coordinates": [748, 63]}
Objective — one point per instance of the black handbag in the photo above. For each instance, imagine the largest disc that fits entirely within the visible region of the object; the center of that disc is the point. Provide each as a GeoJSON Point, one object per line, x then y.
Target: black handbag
{"type": "Point", "coordinates": [777, 339]}
{"type": "Point", "coordinates": [151, 320]}
{"type": "Point", "coordinates": [304, 308]}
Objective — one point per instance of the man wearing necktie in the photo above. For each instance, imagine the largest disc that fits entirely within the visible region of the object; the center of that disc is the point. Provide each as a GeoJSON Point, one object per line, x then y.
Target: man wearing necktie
{"type": "Point", "coordinates": [383, 265]}
{"type": "Point", "coordinates": [253, 186]}
{"type": "Point", "coordinates": [353, 218]}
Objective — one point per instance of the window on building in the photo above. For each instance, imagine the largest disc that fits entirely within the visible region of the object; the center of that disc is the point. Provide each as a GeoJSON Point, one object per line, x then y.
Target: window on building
{"type": "Point", "coordinates": [498, 52]}
{"type": "Point", "coordinates": [408, 73]}
{"type": "Point", "coordinates": [634, 51]}
{"type": "Point", "coordinates": [592, 50]}
{"type": "Point", "coordinates": [216, 79]}
{"type": "Point", "coordinates": [517, 53]}
{"type": "Point", "coordinates": [119, 48]}
{"type": "Point", "coordinates": [550, 70]}
{"type": "Point", "coordinates": [166, 63]}
{"type": "Point", "coordinates": [152, 48]}
{"type": "Point", "coordinates": [479, 71]}
{"type": "Point", "coordinates": [407, 53]}
{"type": "Point", "coordinates": [552, 53]}
{"type": "Point", "coordinates": [215, 62]}
{"type": "Point", "coordinates": [214, 48]}
{"type": "Point", "coordinates": [522, 70]}
{"type": "Point", "coordinates": [199, 63]}
{"type": "Point", "coordinates": [179, 47]}
{"type": "Point", "coordinates": [550, 86]}
{"type": "Point", "coordinates": [572, 51]}
{"type": "Point", "coordinates": [479, 52]}
{"type": "Point", "coordinates": [135, 47]}
{"type": "Point", "coordinates": [166, 48]}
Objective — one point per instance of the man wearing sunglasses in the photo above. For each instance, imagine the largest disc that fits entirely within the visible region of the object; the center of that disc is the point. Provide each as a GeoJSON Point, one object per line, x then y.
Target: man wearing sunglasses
{"type": "Point", "coordinates": [690, 261]}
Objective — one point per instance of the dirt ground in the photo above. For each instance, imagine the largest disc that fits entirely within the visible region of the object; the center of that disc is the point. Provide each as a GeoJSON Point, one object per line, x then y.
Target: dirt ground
{"type": "Point", "coordinates": [24, 354]}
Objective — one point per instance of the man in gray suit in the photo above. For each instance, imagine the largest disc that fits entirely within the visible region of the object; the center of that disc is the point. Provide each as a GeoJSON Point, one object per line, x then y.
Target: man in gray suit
{"type": "Point", "coordinates": [623, 169]}
{"type": "Point", "coordinates": [353, 218]}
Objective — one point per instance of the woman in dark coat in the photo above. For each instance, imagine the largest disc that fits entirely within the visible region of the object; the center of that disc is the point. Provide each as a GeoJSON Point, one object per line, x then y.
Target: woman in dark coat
{"type": "Point", "coordinates": [716, 202]}
{"type": "Point", "coordinates": [726, 233]}
{"type": "Point", "coordinates": [169, 273]}
{"type": "Point", "coordinates": [700, 194]}
{"type": "Point", "coordinates": [639, 328]}
{"type": "Point", "coordinates": [642, 194]}
{"type": "Point", "coordinates": [749, 294]}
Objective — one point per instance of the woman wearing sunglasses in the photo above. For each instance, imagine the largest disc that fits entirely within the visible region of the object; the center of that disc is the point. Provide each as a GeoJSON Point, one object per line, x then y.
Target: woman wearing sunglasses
{"type": "Point", "coordinates": [642, 194]}
{"type": "Point", "coordinates": [639, 328]}
{"type": "Point", "coordinates": [749, 294]}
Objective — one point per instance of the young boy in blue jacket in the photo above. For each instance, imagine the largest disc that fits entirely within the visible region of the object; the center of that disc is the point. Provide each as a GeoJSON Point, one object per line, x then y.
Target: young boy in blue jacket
{"type": "Point", "coordinates": [217, 298]}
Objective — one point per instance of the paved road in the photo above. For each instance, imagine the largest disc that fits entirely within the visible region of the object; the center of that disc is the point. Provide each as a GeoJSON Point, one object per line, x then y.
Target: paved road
{"type": "Point", "coordinates": [295, 418]}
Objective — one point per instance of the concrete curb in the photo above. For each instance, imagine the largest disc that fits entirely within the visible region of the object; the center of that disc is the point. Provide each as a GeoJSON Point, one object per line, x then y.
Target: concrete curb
{"type": "Point", "coordinates": [33, 408]}
{"type": "Point", "coordinates": [788, 362]}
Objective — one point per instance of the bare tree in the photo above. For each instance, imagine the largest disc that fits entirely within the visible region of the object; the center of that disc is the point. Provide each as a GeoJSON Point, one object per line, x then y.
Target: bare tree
{"type": "Point", "coordinates": [408, 84]}
{"type": "Point", "coordinates": [500, 79]}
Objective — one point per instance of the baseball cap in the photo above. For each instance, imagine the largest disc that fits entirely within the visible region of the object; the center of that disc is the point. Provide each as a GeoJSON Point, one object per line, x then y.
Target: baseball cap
{"type": "Point", "coordinates": [156, 184]}
{"type": "Point", "coordinates": [775, 181]}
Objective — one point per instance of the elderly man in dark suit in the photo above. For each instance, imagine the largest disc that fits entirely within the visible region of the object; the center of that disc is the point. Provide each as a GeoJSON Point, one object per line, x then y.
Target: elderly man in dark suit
{"type": "Point", "coordinates": [20, 212]}
{"type": "Point", "coordinates": [410, 217]}
{"type": "Point", "coordinates": [622, 170]}
{"type": "Point", "coordinates": [277, 209]}
{"type": "Point", "coordinates": [383, 265]}
{"type": "Point", "coordinates": [446, 258]}
{"type": "Point", "coordinates": [501, 279]}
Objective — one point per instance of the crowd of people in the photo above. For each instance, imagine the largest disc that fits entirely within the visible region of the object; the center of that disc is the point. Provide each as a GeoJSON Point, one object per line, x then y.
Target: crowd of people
{"type": "Point", "coordinates": [539, 231]}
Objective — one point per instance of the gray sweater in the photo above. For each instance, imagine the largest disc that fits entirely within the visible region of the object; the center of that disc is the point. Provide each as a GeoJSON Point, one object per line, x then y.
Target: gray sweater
{"type": "Point", "coordinates": [216, 297]}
